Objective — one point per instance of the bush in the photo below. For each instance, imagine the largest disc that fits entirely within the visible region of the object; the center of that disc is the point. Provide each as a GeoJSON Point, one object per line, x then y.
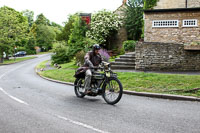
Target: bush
{"type": "Point", "coordinates": [129, 46]}
{"type": "Point", "coordinates": [61, 55]}
{"type": "Point", "coordinates": [80, 58]}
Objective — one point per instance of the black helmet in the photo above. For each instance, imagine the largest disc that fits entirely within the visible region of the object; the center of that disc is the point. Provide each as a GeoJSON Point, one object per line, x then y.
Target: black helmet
{"type": "Point", "coordinates": [96, 47]}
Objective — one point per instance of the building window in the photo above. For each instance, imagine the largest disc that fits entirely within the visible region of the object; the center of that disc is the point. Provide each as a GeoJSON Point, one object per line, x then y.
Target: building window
{"type": "Point", "coordinates": [190, 23]}
{"type": "Point", "coordinates": [165, 23]}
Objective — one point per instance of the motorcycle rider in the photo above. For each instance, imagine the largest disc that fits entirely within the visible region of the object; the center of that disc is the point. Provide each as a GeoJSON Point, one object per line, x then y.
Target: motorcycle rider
{"type": "Point", "coordinates": [92, 59]}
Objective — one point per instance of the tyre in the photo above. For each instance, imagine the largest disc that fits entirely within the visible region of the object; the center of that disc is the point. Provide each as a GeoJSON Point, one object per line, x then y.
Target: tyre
{"type": "Point", "coordinates": [112, 91]}
{"type": "Point", "coordinates": [79, 88]}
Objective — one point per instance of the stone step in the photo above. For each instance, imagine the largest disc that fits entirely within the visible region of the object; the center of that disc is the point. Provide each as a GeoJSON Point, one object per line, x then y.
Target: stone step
{"type": "Point", "coordinates": [130, 53]}
{"type": "Point", "coordinates": [125, 60]}
{"type": "Point", "coordinates": [122, 67]}
{"type": "Point", "coordinates": [127, 56]}
{"type": "Point", "coordinates": [123, 63]}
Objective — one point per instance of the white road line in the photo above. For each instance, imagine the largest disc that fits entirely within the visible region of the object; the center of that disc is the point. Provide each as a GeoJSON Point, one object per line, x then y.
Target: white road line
{"type": "Point", "coordinates": [12, 97]}
{"type": "Point", "coordinates": [81, 124]}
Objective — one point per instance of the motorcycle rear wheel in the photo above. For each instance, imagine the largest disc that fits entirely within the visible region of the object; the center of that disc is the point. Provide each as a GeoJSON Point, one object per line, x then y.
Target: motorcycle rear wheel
{"type": "Point", "coordinates": [78, 86]}
{"type": "Point", "coordinates": [112, 91]}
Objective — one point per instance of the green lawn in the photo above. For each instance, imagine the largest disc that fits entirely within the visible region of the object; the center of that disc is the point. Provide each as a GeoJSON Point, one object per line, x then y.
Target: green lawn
{"type": "Point", "coordinates": [16, 60]}
{"type": "Point", "coordinates": [42, 64]}
{"type": "Point", "coordinates": [139, 81]}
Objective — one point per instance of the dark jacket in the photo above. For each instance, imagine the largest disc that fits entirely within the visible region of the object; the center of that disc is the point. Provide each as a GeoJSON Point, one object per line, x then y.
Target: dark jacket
{"type": "Point", "coordinates": [92, 59]}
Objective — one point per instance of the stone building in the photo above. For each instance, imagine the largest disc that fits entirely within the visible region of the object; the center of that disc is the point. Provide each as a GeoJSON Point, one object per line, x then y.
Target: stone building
{"type": "Point", "coordinates": [121, 35]}
{"type": "Point", "coordinates": [170, 25]}
{"type": "Point", "coordinates": [168, 4]}
{"type": "Point", "coordinates": [173, 22]}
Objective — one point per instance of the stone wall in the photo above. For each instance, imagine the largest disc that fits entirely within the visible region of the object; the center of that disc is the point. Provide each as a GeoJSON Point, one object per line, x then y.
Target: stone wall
{"type": "Point", "coordinates": [121, 35]}
{"type": "Point", "coordinates": [172, 35]}
{"type": "Point", "coordinates": [166, 57]}
{"type": "Point", "coordinates": [118, 39]}
{"type": "Point", "coordinates": [167, 4]}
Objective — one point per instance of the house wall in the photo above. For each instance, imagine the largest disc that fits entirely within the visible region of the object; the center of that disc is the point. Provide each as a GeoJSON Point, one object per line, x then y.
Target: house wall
{"type": "Point", "coordinates": [171, 35]}
{"type": "Point", "coordinates": [167, 4]}
{"type": "Point", "coordinates": [166, 57]}
{"type": "Point", "coordinates": [121, 35]}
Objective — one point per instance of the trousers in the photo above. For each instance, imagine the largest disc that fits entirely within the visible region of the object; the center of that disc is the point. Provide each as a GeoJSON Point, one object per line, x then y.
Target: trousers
{"type": "Point", "coordinates": [88, 77]}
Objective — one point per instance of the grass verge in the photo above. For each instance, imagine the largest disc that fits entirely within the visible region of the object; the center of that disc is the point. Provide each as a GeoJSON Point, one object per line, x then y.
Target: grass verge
{"type": "Point", "coordinates": [177, 84]}
{"type": "Point", "coordinates": [6, 62]}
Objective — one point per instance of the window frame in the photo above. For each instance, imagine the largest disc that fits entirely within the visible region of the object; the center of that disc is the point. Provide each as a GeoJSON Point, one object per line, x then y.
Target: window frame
{"type": "Point", "coordinates": [196, 23]}
{"type": "Point", "coordinates": [165, 22]}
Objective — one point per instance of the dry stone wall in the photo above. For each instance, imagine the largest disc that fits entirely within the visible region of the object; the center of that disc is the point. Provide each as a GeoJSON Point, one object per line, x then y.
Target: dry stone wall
{"type": "Point", "coordinates": [166, 57]}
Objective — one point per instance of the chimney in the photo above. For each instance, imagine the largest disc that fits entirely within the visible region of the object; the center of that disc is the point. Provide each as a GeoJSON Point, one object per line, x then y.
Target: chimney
{"type": "Point", "coordinates": [124, 2]}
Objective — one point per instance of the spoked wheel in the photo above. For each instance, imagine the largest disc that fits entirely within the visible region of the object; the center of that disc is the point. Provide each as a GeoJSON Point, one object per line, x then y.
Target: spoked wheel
{"type": "Point", "coordinates": [112, 91]}
{"type": "Point", "coordinates": [79, 88]}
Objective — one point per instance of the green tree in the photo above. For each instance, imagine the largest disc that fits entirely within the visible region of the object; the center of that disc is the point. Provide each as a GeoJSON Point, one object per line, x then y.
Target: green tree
{"type": "Point", "coordinates": [30, 16]}
{"type": "Point", "coordinates": [13, 28]}
{"type": "Point", "coordinates": [57, 29]}
{"type": "Point", "coordinates": [45, 36]}
{"type": "Point", "coordinates": [41, 19]}
{"type": "Point", "coordinates": [134, 19]}
{"type": "Point", "coordinates": [78, 31]}
{"type": "Point", "coordinates": [64, 35]}
{"type": "Point", "coordinates": [77, 36]}
{"type": "Point", "coordinates": [44, 32]}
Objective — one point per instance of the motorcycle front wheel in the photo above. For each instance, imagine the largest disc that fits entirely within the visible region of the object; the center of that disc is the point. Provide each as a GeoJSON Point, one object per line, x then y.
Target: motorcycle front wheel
{"type": "Point", "coordinates": [79, 87]}
{"type": "Point", "coordinates": [112, 91]}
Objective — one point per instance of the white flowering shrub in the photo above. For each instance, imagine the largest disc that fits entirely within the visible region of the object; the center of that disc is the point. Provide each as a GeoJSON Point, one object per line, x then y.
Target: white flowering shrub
{"type": "Point", "coordinates": [103, 25]}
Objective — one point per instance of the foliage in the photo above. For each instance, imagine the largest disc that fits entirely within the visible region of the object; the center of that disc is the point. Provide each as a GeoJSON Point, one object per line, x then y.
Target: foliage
{"type": "Point", "coordinates": [88, 43]}
{"type": "Point", "coordinates": [45, 36]}
{"type": "Point", "coordinates": [104, 24]}
{"type": "Point", "coordinates": [41, 19]}
{"type": "Point", "coordinates": [13, 29]}
{"type": "Point", "coordinates": [129, 45]}
{"type": "Point", "coordinates": [57, 29]}
{"type": "Point", "coordinates": [61, 54]}
{"type": "Point", "coordinates": [30, 16]}
{"type": "Point", "coordinates": [80, 58]}
{"type": "Point", "coordinates": [30, 45]}
{"type": "Point", "coordinates": [149, 4]}
{"type": "Point", "coordinates": [76, 39]}
{"type": "Point", "coordinates": [77, 34]}
{"type": "Point", "coordinates": [66, 31]}
{"type": "Point", "coordinates": [134, 19]}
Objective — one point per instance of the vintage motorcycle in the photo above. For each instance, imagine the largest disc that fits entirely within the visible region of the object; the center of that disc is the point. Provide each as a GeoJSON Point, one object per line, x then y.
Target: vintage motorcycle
{"type": "Point", "coordinates": [104, 82]}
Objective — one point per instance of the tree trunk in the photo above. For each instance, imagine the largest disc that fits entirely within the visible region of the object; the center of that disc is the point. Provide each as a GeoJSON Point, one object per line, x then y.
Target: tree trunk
{"type": "Point", "coordinates": [7, 57]}
{"type": "Point", "coordinates": [1, 59]}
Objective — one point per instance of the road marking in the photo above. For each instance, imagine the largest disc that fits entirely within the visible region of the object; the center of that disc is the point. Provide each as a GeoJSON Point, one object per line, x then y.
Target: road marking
{"type": "Point", "coordinates": [81, 124]}
{"type": "Point", "coordinates": [12, 97]}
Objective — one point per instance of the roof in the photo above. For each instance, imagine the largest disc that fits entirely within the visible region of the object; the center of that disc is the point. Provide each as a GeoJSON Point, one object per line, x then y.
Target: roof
{"type": "Point", "coordinates": [172, 10]}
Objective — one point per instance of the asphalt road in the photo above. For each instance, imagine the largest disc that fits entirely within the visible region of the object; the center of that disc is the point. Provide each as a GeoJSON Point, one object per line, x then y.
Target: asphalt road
{"type": "Point", "coordinates": [30, 104]}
